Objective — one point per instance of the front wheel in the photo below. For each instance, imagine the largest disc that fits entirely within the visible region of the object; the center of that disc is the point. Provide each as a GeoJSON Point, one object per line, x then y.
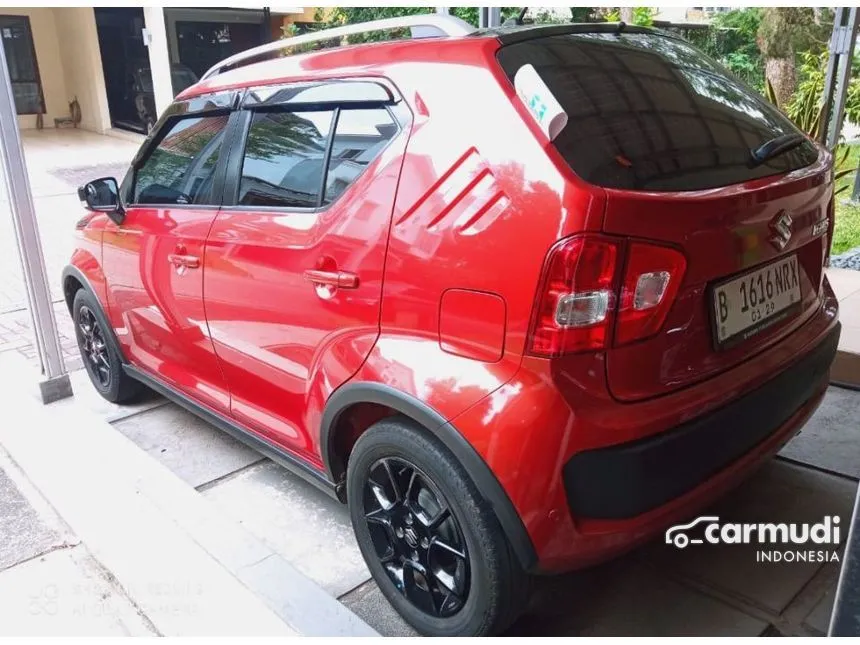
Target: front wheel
{"type": "Point", "coordinates": [432, 543]}
{"type": "Point", "coordinates": [100, 355]}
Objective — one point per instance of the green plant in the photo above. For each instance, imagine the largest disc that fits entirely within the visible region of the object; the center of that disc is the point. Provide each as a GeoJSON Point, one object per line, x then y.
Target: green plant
{"type": "Point", "coordinates": [642, 16]}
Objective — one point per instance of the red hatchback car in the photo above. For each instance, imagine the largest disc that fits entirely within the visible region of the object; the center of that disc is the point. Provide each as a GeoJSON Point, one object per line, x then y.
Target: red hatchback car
{"type": "Point", "coordinates": [507, 353]}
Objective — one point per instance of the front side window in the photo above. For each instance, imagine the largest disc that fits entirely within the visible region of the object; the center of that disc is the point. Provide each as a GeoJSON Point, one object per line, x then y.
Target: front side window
{"type": "Point", "coordinates": [284, 159]}
{"type": "Point", "coordinates": [181, 168]}
{"type": "Point", "coordinates": [22, 65]}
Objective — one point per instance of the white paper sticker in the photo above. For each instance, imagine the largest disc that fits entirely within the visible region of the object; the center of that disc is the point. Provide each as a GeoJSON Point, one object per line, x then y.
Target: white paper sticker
{"type": "Point", "coordinates": [541, 104]}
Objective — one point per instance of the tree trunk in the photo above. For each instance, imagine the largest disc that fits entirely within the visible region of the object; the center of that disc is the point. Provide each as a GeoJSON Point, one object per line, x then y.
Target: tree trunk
{"type": "Point", "coordinates": [627, 15]}
{"type": "Point", "coordinates": [782, 76]}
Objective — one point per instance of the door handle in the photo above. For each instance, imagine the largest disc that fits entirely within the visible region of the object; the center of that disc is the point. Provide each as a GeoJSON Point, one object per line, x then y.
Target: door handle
{"type": "Point", "coordinates": [187, 261]}
{"type": "Point", "coordinates": [339, 279]}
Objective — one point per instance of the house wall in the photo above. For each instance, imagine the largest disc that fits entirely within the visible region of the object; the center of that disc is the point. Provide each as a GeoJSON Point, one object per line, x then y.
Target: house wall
{"type": "Point", "coordinates": [82, 65]}
{"type": "Point", "coordinates": [44, 29]}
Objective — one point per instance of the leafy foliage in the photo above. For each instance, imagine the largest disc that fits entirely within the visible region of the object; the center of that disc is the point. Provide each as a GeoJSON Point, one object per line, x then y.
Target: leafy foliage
{"type": "Point", "coordinates": [642, 16]}
{"type": "Point", "coordinates": [732, 41]}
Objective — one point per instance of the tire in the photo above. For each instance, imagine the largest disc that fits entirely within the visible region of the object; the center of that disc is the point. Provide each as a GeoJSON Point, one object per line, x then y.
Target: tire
{"type": "Point", "coordinates": [468, 550]}
{"type": "Point", "coordinates": [99, 352]}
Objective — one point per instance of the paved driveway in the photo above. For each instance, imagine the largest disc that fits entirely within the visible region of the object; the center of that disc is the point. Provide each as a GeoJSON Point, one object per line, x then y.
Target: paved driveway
{"type": "Point", "coordinates": [58, 161]}
{"type": "Point", "coordinates": [656, 590]}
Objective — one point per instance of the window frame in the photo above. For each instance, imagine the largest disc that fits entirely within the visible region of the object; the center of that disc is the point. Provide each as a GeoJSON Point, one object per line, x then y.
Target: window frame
{"type": "Point", "coordinates": [211, 105]}
{"type": "Point", "coordinates": [350, 99]}
{"type": "Point", "coordinates": [38, 80]}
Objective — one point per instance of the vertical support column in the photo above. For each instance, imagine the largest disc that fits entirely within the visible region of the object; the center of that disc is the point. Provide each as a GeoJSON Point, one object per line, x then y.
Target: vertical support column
{"type": "Point", "coordinates": [159, 57]}
{"type": "Point", "coordinates": [442, 11]}
{"type": "Point", "coordinates": [495, 16]}
{"type": "Point", "coordinates": [56, 384]}
{"type": "Point", "coordinates": [845, 48]}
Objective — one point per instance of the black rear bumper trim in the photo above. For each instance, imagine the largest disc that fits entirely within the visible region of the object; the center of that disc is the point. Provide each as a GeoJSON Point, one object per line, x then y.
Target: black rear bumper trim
{"type": "Point", "coordinates": [626, 480]}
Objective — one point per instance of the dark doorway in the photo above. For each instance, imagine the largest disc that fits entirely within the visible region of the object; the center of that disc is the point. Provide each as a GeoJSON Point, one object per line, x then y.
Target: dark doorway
{"type": "Point", "coordinates": [203, 44]}
{"type": "Point", "coordinates": [120, 32]}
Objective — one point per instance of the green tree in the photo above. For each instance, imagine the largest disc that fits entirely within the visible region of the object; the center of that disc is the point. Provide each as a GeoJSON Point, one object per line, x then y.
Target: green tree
{"type": "Point", "coordinates": [731, 39]}
{"type": "Point", "coordinates": [783, 32]}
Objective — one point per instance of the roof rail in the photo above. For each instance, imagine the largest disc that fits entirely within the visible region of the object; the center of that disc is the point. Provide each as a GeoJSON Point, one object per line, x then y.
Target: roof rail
{"type": "Point", "coordinates": [435, 25]}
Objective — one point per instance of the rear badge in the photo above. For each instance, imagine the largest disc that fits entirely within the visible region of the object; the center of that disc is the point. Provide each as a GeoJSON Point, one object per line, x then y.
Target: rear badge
{"type": "Point", "coordinates": [820, 227]}
{"type": "Point", "coordinates": [780, 225]}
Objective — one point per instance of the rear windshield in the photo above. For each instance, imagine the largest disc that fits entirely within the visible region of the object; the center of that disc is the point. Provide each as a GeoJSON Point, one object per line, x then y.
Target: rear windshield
{"type": "Point", "coordinates": [649, 112]}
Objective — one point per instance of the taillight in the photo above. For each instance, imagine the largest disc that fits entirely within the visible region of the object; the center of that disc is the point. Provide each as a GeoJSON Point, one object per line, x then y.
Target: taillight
{"type": "Point", "coordinates": [651, 280]}
{"type": "Point", "coordinates": [576, 300]}
{"type": "Point", "coordinates": [579, 302]}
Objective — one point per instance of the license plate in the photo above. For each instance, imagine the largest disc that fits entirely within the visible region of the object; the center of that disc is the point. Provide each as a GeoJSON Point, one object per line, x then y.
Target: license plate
{"type": "Point", "coordinates": [746, 305]}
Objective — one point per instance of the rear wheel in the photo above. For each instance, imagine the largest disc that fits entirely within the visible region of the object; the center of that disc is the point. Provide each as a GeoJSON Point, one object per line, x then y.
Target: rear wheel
{"type": "Point", "coordinates": [100, 355]}
{"type": "Point", "coordinates": [432, 544]}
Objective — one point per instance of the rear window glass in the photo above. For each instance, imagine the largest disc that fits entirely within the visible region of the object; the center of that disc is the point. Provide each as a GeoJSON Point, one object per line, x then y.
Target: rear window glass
{"type": "Point", "coordinates": [649, 112]}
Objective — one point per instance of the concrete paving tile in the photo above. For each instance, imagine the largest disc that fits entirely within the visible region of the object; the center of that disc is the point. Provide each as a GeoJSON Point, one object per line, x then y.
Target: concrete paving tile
{"type": "Point", "coordinates": [194, 450]}
{"type": "Point", "coordinates": [23, 532]}
{"type": "Point", "coordinates": [845, 282]}
{"type": "Point", "coordinates": [831, 438]}
{"type": "Point", "coordinates": [62, 594]}
{"type": "Point", "coordinates": [304, 525]}
{"type": "Point", "coordinates": [627, 598]}
{"type": "Point", "coordinates": [819, 618]}
{"type": "Point", "coordinates": [311, 611]}
{"type": "Point", "coordinates": [368, 603]}
{"type": "Point", "coordinates": [779, 492]}
{"type": "Point", "coordinates": [87, 395]}
{"type": "Point", "coordinates": [849, 310]}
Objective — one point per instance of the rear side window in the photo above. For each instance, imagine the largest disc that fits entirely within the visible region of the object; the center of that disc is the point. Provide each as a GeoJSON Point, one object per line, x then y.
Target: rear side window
{"type": "Point", "coordinates": [284, 159]}
{"type": "Point", "coordinates": [358, 139]}
{"type": "Point", "coordinates": [307, 159]}
{"type": "Point", "coordinates": [181, 168]}
{"type": "Point", "coordinates": [649, 112]}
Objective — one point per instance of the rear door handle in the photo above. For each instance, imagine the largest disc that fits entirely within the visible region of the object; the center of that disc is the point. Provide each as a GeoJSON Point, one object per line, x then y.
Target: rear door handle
{"type": "Point", "coordinates": [339, 279]}
{"type": "Point", "coordinates": [180, 260]}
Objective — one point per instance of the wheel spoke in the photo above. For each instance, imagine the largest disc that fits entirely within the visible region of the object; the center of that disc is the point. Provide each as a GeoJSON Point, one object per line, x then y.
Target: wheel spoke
{"type": "Point", "coordinates": [444, 546]}
{"type": "Point", "coordinates": [398, 496]}
{"type": "Point", "coordinates": [440, 518]}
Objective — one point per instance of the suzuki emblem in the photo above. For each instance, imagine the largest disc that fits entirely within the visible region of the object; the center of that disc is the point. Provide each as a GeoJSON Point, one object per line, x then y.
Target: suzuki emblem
{"type": "Point", "coordinates": [781, 228]}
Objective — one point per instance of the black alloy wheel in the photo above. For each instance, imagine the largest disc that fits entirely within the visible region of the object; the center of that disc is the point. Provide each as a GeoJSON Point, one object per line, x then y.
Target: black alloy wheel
{"type": "Point", "coordinates": [93, 346]}
{"type": "Point", "coordinates": [416, 537]}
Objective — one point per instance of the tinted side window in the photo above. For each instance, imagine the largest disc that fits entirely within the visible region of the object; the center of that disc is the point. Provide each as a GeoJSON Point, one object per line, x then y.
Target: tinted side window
{"type": "Point", "coordinates": [649, 112]}
{"type": "Point", "coordinates": [181, 168]}
{"type": "Point", "coordinates": [284, 157]}
{"type": "Point", "coordinates": [359, 137]}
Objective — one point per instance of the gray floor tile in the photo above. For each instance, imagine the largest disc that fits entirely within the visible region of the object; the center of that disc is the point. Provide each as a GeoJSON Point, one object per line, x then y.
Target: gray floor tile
{"type": "Point", "coordinates": [23, 533]}
{"type": "Point", "coordinates": [64, 594]}
{"type": "Point", "coordinates": [368, 603]}
{"type": "Point", "coordinates": [819, 618]}
{"type": "Point", "coordinates": [627, 598]}
{"type": "Point", "coordinates": [831, 438]}
{"type": "Point", "coordinates": [305, 526]}
{"type": "Point", "coordinates": [780, 492]}
{"type": "Point", "coordinates": [194, 450]}
{"type": "Point", "coordinates": [86, 394]}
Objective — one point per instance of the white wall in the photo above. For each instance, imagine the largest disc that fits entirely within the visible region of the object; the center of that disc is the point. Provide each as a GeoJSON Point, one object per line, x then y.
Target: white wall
{"type": "Point", "coordinates": [82, 64]}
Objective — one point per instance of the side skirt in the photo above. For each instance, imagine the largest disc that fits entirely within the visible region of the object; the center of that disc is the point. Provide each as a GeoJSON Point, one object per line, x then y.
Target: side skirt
{"type": "Point", "coordinates": [258, 443]}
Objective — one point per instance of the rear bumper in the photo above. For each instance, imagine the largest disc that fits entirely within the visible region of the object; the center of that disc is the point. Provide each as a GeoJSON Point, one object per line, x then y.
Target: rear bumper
{"type": "Point", "coordinates": [626, 480]}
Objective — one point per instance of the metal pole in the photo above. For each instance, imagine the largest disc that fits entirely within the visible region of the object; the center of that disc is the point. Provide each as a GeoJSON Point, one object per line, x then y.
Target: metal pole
{"type": "Point", "coordinates": [844, 76]}
{"type": "Point", "coordinates": [495, 16]}
{"type": "Point", "coordinates": [442, 11]}
{"type": "Point", "coordinates": [56, 384]}
{"type": "Point", "coordinates": [830, 76]}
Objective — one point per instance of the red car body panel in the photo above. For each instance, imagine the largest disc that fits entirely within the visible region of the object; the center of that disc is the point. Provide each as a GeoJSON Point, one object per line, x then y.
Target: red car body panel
{"type": "Point", "coordinates": [156, 311]}
{"type": "Point", "coordinates": [449, 230]}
